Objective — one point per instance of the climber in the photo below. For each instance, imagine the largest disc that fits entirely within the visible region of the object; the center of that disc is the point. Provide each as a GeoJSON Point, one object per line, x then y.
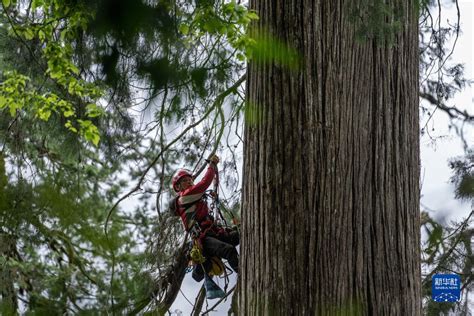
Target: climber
{"type": "Point", "coordinates": [194, 212]}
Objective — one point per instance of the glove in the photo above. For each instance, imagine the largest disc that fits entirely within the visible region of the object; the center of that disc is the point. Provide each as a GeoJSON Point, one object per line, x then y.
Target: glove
{"type": "Point", "coordinates": [213, 159]}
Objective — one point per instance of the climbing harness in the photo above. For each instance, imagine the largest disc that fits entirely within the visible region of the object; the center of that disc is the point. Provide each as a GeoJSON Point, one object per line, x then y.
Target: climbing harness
{"type": "Point", "coordinates": [213, 266]}
{"type": "Point", "coordinates": [218, 267]}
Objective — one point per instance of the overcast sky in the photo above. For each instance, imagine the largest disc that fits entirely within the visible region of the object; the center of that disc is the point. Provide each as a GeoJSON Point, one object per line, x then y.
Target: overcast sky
{"type": "Point", "coordinates": [443, 144]}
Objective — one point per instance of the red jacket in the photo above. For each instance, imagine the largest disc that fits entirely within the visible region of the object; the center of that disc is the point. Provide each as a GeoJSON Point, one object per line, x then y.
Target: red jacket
{"type": "Point", "coordinates": [198, 212]}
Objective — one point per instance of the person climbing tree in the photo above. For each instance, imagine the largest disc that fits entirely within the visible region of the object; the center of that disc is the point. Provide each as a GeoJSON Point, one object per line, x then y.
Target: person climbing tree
{"type": "Point", "coordinates": [214, 240]}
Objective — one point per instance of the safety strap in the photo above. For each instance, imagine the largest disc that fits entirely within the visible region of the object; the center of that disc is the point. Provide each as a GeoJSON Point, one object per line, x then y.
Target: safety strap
{"type": "Point", "coordinates": [216, 204]}
{"type": "Point", "coordinates": [186, 207]}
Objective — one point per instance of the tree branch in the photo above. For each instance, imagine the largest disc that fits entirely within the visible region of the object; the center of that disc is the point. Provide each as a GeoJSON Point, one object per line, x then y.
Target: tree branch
{"type": "Point", "coordinates": [217, 103]}
{"type": "Point", "coordinates": [452, 112]}
{"type": "Point", "coordinates": [446, 255]}
{"type": "Point", "coordinates": [199, 302]}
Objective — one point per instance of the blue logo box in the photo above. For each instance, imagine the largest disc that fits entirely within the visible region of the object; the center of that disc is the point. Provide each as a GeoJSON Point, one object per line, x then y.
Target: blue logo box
{"type": "Point", "coordinates": [446, 288]}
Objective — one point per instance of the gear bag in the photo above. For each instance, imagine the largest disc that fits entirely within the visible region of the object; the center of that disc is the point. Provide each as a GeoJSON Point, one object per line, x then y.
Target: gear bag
{"type": "Point", "coordinates": [212, 289]}
{"type": "Point", "coordinates": [173, 205]}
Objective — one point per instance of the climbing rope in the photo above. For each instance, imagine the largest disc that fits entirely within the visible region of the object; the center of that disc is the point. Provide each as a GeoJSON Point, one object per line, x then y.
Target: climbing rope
{"type": "Point", "coordinates": [215, 265]}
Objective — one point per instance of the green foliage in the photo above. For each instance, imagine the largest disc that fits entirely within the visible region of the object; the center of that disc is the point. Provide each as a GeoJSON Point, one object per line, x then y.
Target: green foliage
{"type": "Point", "coordinates": [64, 249]}
{"type": "Point", "coordinates": [69, 60]}
{"type": "Point", "coordinates": [265, 48]}
{"type": "Point", "coordinates": [6, 3]}
{"type": "Point", "coordinates": [155, 66]}
{"type": "Point", "coordinates": [434, 240]}
{"type": "Point", "coordinates": [253, 113]}
{"type": "Point", "coordinates": [447, 249]}
{"type": "Point", "coordinates": [465, 188]}
{"type": "Point", "coordinates": [375, 20]}
{"type": "Point", "coordinates": [3, 182]}
{"type": "Point", "coordinates": [463, 177]}
{"type": "Point", "coordinates": [422, 5]}
{"type": "Point", "coordinates": [53, 35]}
{"type": "Point", "coordinates": [16, 95]}
{"type": "Point", "coordinates": [12, 92]}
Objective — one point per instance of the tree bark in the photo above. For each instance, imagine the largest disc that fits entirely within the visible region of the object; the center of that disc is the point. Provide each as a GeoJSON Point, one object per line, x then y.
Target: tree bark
{"type": "Point", "coordinates": [199, 302]}
{"type": "Point", "coordinates": [331, 187]}
{"type": "Point", "coordinates": [8, 295]}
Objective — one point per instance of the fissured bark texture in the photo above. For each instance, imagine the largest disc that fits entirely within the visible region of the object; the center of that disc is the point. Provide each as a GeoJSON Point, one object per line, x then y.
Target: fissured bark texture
{"type": "Point", "coordinates": [331, 167]}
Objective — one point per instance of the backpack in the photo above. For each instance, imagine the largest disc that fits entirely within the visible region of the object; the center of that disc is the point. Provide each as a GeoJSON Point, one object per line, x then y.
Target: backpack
{"type": "Point", "coordinates": [173, 206]}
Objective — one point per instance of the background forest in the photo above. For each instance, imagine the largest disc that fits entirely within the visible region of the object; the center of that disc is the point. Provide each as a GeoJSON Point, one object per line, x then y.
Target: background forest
{"type": "Point", "coordinates": [100, 102]}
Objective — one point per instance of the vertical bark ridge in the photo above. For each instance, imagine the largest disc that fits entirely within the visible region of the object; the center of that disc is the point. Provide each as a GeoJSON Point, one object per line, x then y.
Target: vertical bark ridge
{"type": "Point", "coordinates": [330, 198]}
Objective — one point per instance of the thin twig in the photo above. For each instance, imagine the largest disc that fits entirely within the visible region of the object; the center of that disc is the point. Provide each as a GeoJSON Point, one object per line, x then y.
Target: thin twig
{"type": "Point", "coordinates": [446, 255]}
{"type": "Point", "coordinates": [199, 302]}
{"type": "Point", "coordinates": [217, 103]}
{"type": "Point", "coordinates": [449, 110]}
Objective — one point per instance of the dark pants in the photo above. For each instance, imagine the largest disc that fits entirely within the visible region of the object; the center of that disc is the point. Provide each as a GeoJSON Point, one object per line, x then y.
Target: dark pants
{"type": "Point", "coordinates": [222, 246]}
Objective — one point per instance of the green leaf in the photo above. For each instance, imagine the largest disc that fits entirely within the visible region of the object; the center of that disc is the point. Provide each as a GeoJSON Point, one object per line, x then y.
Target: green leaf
{"type": "Point", "coordinates": [44, 114]}
{"type": "Point", "coordinates": [93, 110]}
{"type": "Point", "coordinates": [267, 49]}
{"type": "Point", "coordinates": [41, 35]}
{"type": "Point", "coordinates": [36, 3]}
{"type": "Point", "coordinates": [69, 113]}
{"type": "Point", "coordinates": [184, 29]}
{"type": "Point", "coordinates": [13, 107]}
{"type": "Point", "coordinates": [63, 34]}
{"type": "Point", "coordinates": [29, 35]}
{"type": "Point", "coordinates": [253, 114]}
{"type": "Point", "coordinates": [240, 57]}
{"type": "Point", "coordinates": [74, 69]}
{"type": "Point", "coordinates": [3, 101]}
{"type": "Point", "coordinates": [89, 131]}
{"type": "Point", "coordinates": [252, 15]}
{"type": "Point", "coordinates": [72, 87]}
{"type": "Point", "coordinates": [70, 127]}
{"type": "Point", "coordinates": [6, 3]}
{"type": "Point", "coordinates": [95, 139]}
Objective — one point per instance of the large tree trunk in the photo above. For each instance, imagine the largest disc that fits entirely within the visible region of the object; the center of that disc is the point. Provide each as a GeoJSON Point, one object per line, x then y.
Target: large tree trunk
{"type": "Point", "coordinates": [331, 192]}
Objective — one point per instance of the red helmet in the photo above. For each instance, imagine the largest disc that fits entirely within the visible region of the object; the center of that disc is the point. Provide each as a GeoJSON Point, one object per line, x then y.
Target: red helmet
{"type": "Point", "coordinates": [180, 174]}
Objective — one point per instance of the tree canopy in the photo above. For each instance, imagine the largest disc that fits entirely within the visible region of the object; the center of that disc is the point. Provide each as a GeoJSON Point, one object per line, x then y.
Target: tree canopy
{"type": "Point", "coordinates": [101, 100]}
